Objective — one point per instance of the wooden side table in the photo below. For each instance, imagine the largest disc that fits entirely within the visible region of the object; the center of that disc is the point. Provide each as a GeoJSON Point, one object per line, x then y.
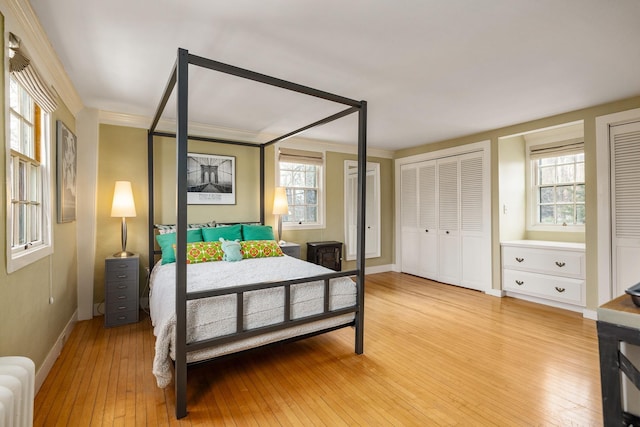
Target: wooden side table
{"type": "Point", "coordinates": [327, 254]}
{"type": "Point", "coordinates": [121, 290]}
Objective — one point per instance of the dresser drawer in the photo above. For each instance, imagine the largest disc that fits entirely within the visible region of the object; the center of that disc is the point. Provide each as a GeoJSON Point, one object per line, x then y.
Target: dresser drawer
{"type": "Point", "coordinates": [549, 261]}
{"type": "Point", "coordinates": [120, 287]}
{"type": "Point", "coordinates": [121, 275]}
{"type": "Point", "coordinates": [557, 288]}
{"type": "Point", "coordinates": [121, 318]}
{"type": "Point", "coordinates": [117, 306]}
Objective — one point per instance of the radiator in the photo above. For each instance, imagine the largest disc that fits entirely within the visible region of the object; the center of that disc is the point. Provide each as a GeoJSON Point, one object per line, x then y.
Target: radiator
{"type": "Point", "coordinates": [17, 382]}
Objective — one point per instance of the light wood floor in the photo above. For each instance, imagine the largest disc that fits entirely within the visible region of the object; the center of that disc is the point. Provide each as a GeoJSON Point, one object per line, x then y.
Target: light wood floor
{"type": "Point", "coordinates": [434, 355]}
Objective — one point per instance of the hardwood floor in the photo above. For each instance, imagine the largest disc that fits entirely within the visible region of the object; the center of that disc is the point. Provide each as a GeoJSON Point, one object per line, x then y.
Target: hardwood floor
{"type": "Point", "coordinates": [434, 355]}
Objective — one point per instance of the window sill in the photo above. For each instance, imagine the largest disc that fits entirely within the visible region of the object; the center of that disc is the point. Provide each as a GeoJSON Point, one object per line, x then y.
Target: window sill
{"type": "Point", "coordinates": [302, 226]}
{"type": "Point", "coordinates": [22, 259]}
{"type": "Point", "coordinates": [558, 228]}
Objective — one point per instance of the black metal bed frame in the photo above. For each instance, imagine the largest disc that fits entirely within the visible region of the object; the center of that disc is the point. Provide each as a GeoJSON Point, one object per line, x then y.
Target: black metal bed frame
{"type": "Point", "coordinates": [180, 77]}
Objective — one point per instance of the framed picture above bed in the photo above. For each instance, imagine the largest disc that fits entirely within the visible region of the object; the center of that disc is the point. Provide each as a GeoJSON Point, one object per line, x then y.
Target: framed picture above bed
{"type": "Point", "coordinates": [211, 179]}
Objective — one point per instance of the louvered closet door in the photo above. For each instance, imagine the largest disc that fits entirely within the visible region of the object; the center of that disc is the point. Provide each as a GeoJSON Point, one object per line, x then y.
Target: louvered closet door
{"type": "Point", "coordinates": [409, 213]}
{"type": "Point", "coordinates": [428, 220]}
{"type": "Point", "coordinates": [625, 206]}
{"type": "Point", "coordinates": [448, 221]}
{"type": "Point", "coordinates": [474, 231]}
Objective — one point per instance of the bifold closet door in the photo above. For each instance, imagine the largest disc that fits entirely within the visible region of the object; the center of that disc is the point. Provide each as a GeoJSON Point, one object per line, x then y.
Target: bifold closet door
{"type": "Point", "coordinates": [625, 206]}
{"type": "Point", "coordinates": [409, 217]}
{"type": "Point", "coordinates": [428, 220]}
{"type": "Point", "coordinates": [449, 220]}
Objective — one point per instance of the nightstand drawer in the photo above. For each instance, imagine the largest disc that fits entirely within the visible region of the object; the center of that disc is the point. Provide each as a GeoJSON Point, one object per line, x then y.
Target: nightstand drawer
{"type": "Point", "coordinates": [122, 287]}
{"type": "Point", "coordinates": [122, 318]}
{"type": "Point", "coordinates": [117, 306]}
{"type": "Point", "coordinates": [121, 275]}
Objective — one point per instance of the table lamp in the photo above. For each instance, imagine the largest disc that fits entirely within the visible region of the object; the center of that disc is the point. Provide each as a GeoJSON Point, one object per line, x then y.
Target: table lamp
{"type": "Point", "coordinates": [123, 207]}
{"type": "Point", "coordinates": [280, 207]}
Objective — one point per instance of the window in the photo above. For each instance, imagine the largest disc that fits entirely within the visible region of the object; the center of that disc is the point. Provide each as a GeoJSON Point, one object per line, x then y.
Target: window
{"type": "Point", "coordinates": [27, 175]}
{"type": "Point", "coordinates": [558, 187]}
{"type": "Point", "coordinates": [301, 175]}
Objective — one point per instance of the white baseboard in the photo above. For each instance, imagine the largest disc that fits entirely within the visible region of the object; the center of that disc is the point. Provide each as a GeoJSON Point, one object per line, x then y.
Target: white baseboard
{"type": "Point", "coordinates": [378, 269]}
{"type": "Point", "coordinates": [495, 292]}
{"type": "Point", "coordinates": [590, 314]}
{"type": "Point", "coordinates": [55, 351]}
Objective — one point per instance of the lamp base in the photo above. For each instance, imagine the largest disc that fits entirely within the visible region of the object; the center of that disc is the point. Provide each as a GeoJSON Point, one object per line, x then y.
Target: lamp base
{"type": "Point", "coordinates": [123, 254]}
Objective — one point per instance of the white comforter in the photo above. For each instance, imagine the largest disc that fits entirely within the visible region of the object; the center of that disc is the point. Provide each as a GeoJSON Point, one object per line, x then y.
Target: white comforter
{"type": "Point", "coordinates": [211, 317]}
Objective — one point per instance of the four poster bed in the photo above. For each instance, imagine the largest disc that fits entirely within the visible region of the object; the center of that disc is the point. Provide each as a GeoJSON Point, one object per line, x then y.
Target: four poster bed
{"type": "Point", "coordinates": [204, 310]}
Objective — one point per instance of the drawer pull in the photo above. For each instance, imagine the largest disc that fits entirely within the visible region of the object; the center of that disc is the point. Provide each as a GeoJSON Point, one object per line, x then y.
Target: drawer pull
{"type": "Point", "coordinates": [122, 317]}
{"type": "Point", "coordinates": [122, 266]}
{"type": "Point", "coordinates": [122, 297]}
{"type": "Point", "coordinates": [560, 264]}
{"type": "Point", "coordinates": [561, 290]}
{"type": "Point", "coordinates": [519, 282]}
{"type": "Point", "coordinates": [519, 259]}
{"type": "Point", "coordinates": [122, 286]}
{"type": "Point", "coordinates": [122, 307]}
{"type": "Point", "coordinates": [121, 276]}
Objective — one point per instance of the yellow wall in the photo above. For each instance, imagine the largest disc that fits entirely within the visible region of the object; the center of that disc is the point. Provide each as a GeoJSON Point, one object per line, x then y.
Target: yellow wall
{"type": "Point", "coordinates": [588, 115]}
{"type": "Point", "coordinates": [29, 324]}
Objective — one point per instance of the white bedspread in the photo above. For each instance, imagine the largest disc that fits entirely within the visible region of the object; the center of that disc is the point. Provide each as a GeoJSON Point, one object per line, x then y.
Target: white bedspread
{"type": "Point", "coordinates": [212, 317]}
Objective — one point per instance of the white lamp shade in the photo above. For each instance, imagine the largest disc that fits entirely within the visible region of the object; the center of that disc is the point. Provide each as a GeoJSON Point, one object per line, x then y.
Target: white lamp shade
{"type": "Point", "coordinates": [123, 205]}
{"type": "Point", "coordinates": [280, 205]}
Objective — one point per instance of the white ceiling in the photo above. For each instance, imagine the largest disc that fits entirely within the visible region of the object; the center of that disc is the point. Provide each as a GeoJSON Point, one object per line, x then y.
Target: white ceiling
{"type": "Point", "coordinates": [429, 69]}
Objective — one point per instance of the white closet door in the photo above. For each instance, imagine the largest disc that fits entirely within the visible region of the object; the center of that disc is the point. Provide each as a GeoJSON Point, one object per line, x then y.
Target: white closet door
{"type": "Point", "coordinates": [428, 220]}
{"type": "Point", "coordinates": [448, 221]}
{"type": "Point", "coordinates": [625, 206]}
{"type": "Point", "coordinates": [474, 231]}
{"type": "Point", "coordinates": [409, 211]}
{"type": "Point", "coordinates": [372, 222]}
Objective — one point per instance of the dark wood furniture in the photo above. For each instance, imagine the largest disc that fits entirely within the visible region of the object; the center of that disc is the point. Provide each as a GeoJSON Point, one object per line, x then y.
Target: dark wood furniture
{"type": "Point", "coordinates": [327, 254]}
{"type": "Point", "coordinates": [121, 290]}
{"type": "Point", "coordinates": [618, 322]}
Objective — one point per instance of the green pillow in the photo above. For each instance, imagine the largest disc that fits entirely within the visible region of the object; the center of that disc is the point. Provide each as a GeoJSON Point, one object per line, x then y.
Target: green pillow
{"type": "Point", "coordinates": [198, 252]}
{"type": "Point", "coordinates": [260, 249]}
{"type": "Point", "coordinates": [232, 232]}
{"type": "Point", "coordinates": [166, 241]}
{"type": "Point", "coordinates": [257, 232]}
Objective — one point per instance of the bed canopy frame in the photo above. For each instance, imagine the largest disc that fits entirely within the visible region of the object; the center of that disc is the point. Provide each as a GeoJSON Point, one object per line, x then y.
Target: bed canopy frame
{"type": "Point", "coordinates": [179, 78]}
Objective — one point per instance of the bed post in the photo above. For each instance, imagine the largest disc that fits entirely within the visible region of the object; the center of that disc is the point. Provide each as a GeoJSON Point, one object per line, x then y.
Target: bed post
{"type": "Point", "coordinates": [150, 196]}
{"type": "Point", "coordinates": [181, 234]}
{"type": "Point", "coordinates": [362, 191]}
{"type": "Point", "coordinates": [262, 184]}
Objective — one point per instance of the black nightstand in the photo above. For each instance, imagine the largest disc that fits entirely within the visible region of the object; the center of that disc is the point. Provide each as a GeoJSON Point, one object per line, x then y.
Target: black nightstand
{"type": "Point", "coordinates": [121, 291]}
{"type": "Point", "coordinates": [327, 254]}
{"type": "Point", "coordinates": [291, 249]}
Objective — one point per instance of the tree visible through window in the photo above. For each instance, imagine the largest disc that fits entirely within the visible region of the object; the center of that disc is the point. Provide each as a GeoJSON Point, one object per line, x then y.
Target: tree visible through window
{"type": "Point", "coordinates": [560, 190]}
{"type": "Point", "coordinates": [25, 170]}
{"type": "Point", "coordinates": [301, 183]}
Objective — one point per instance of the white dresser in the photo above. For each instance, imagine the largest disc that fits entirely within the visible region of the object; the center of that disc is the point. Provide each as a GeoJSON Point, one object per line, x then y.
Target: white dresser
{"type": "Point", "coordinates": [547, 272]}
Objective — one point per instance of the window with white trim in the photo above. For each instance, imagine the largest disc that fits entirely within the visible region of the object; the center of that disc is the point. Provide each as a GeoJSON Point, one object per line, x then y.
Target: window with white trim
{"type": "Point", "coordinates": [300, 173]}
{"type": "Point", "coordinates": [557, 196]}
{"type": "Point", "coordinates": [28, 169]}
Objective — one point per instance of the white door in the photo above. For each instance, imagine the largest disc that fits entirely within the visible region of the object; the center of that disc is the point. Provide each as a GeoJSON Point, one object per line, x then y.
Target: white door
{"type": "Point", "coordinates": [409, 219]}
{"type": "Point", "coordinates": [428, 220]}
{"type": "Point", "coordinates": [625, 206]}
{"type": "Point", "coordinates": [448, 221]}
{"type": "Point", "coordinates": [475, 233]}
{"type": "Point", "coordinates": [372, 211]}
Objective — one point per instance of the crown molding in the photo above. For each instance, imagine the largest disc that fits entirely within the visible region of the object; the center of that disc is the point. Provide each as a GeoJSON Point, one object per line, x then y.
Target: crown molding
{"type": "Point", "coordinates": [201, 129]}
{"type": "Point", "coordinates": [24, 21]}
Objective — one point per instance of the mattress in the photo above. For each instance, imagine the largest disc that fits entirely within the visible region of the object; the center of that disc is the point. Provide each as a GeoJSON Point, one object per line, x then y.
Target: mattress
{"type": "Point", "coordinates": [216, 316]}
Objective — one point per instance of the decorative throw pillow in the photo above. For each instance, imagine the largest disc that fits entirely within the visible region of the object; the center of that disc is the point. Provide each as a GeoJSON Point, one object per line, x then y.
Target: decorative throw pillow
{"type": "Point", "coordinates": [171, 228]}
{"type": "Point", "coordinates": [260, 249]}
{"type": "Point", "coordinates": [231, 249]}
{"type": "Point", "coordinates": [232, 232]}
{"type": "Point", "coordinates": [203, 252]}
{"type": "Point", "coordinates": [166, 241]}
{"type": "Point", "coordinates": [257, 232]}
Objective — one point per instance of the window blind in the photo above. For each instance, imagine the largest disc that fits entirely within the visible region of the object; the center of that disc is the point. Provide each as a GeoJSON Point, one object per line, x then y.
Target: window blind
{"type": "Point", "coordinates": [560, 148]}
{"type": "Point", "coordinates": [24, 72]}
{"type": "Point", "coordinates": [290, 155]}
